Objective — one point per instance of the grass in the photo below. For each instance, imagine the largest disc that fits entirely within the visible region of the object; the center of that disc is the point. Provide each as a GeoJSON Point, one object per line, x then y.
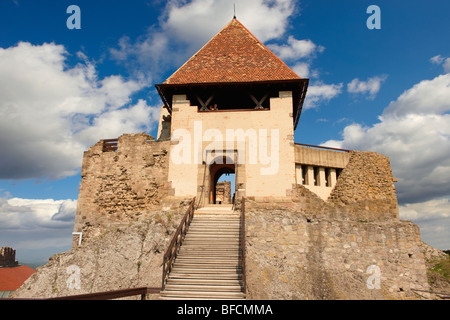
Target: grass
{"type": "Point", "coordinates": [442, 267]}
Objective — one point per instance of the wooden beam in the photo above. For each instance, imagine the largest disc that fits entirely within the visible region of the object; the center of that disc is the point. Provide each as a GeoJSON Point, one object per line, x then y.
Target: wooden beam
{"type": "Point", "coordinates": [204, 105]}
{"type": "Point", "coordinates": [260, 102]}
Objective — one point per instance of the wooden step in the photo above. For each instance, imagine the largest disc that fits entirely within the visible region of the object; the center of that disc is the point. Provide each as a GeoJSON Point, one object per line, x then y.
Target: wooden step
{"type": "Point", "coordinates": [201, 295]}
{"type": "Point", "coordinates": [196, 281]}
{"type": "Point", "coordinates": [218, 270]}
{"type": "Point", "coordinates": [209, 288]}
{"type": "Point", "coordinates": [208, 263]}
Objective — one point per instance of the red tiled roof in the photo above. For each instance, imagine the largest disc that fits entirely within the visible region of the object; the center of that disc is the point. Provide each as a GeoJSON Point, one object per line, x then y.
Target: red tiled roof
{"type": "Point", "coordinates": [12, 278]}
{"type": "Point", "coordinates": [232, 55]}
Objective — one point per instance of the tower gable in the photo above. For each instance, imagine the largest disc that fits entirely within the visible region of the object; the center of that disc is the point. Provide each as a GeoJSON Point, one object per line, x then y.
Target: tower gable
{"type": "Point", "coordinates": [232, 55]}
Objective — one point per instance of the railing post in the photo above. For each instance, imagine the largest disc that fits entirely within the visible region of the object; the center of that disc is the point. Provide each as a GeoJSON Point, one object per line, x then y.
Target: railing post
{"type": "Point", "coordinates": [244, 279]}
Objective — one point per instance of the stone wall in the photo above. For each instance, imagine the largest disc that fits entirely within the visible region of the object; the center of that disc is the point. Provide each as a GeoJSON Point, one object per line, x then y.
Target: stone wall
{"type": "Point", "coordinates": [7, 257]}
{"type": "Point", "coordinates": [367, 184]}
{"type": "Point", "coordinates": [223, 192]}
{"type": "Point", "coordinates": [364, 191]}
{"type": "Point", "coordinates": [290, 256]}
{"type": "Point", "coordinates": [315, 249]}
{"type": "Point", "coordinates": [121, 185]}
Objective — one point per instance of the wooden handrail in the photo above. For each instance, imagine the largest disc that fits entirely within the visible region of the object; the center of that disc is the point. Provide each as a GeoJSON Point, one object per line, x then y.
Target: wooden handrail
{"type": "Point", "coordinates": [142, 291]}
{"type": "Point", "coordinates": [178, 237]}
{"type": "Point", "coordinates": [242, 249]}
{"type": "Point", "coordinates": [445, 296]}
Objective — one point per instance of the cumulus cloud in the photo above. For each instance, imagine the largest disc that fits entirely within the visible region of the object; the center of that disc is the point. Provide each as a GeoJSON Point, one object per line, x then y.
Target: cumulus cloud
{"type": "Point", "coordinates": [302, 69]}
{"type": "Point", "coordinates": [299, 54]}
{"type": "Point", "coordinates": [185, 26]}
{"type": "Point", "coordinates": [32, 214]}
{"type": "Point", "coordinates": [447, 65]}
{"type": "Point", "coordinates": [295, 49]}
{"type": "Point", "coordinates": [439, 60]}
{"type": "Point", "coordinates": [34, 226]}
{"type": "Point", "coordinates": [414, 131]}
{"type": "Point", "coordinates": [50, 112]}
{"type": "Point", "coordinates": [320, 93]}
{"type": "Point", "coordinates": [370, 87]}
{"type": "Point", "coordinates": [429, 97]}
{"type": "Point", "coordinates": [433, 217]}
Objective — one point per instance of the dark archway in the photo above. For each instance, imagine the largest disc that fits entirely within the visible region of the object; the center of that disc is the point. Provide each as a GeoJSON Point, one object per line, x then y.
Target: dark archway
{"type": "Point", "coordinates": [218, 168]}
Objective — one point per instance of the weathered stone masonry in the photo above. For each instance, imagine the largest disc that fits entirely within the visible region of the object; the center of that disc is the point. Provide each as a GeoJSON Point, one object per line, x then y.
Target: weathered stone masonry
{"type": "Point", "coordinates": [7, 257]}
{"type": "Point", "coordinates": [316, 249]}
{"type": "Point", "coordinates": [304, 248]}
{"type": "Point", "coordinates": [121, 185]}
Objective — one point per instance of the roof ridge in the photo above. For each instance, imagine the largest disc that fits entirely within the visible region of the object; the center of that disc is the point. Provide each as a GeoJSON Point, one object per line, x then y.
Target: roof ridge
{"type": "Point", "coordinates": [195, 54]}
{"type": "Point", "coordinates": [266, 47]}
{"type": "Point", "coordinates": [234, 54]}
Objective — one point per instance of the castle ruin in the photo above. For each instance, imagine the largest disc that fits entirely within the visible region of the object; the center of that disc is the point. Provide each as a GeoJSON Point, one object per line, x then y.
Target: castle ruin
{"type": "Point", "coordinates": [320, 219]}
{"type": "Point", "coordinates": [8, 257]}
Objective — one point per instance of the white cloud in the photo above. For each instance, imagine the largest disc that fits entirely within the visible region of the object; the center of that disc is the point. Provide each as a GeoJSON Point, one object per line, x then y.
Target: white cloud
{"type": "Point", "coordinates": [198, 20]}
{"type": "Point", "coordinates": [442, 60]}
{"type": "Point", "coordinates": [319, 93]}
{"type": "Point", "coordinates": [295, 49]}
{"type": "Point", "coordinates": [299, 53]}
{"type": "Point", "coordinates": [185, 26]}
{"type": "Point", "coordinates": [31, 214]}
{"type": "Point", "coordinates": [429, 97]}
{"type": "Point", "coordinates": [447, 65]}
{"type": "Point", "coordinates": [301, 69]}
{"type": "Point", "coordinates": [370, 87]}
{"type": "Point", "coordinates": [434, 219]}
{"type": "Point", "coordinates": [414, 131]}
{"type": "Point", "coordinates": [50, 113]}
{"type": "Point", "coordinates": [437, 59]}
{"type": "Point", "coordinates": [34, 226]}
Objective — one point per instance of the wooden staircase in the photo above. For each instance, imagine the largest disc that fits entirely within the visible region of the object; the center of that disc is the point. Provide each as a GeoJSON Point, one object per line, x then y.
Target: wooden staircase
{"type": "Point", "coordinates": [208, 263]}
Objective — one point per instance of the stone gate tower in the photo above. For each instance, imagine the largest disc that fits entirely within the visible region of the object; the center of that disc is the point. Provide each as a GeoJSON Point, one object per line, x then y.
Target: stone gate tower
{"type": "Point", "coordinates": [232, 108]}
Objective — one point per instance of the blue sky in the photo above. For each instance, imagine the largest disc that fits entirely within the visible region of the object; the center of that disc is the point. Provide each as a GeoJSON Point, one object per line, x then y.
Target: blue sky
{"type": "Point", "coordinates": [62, 90]}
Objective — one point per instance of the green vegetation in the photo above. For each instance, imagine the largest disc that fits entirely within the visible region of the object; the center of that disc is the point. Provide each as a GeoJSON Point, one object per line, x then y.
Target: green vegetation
{"type": "Point", "coordinates": [442, 267]}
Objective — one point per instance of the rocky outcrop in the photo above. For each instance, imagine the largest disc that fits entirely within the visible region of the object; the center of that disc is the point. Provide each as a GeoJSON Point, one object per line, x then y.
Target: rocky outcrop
{"type": "Point", "coordinates": [126, 255]}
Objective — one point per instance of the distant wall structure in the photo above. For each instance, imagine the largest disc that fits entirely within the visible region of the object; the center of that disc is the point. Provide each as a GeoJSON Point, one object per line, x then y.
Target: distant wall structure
{"type": "Point", "coordinates": [8, 257]}
{"type": "Point", "coordinates": [223, 192]}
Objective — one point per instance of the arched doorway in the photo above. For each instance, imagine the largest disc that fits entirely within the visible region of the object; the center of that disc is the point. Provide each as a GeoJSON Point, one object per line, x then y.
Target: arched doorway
{"type": "Point", "coordinates": [224, 194]}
